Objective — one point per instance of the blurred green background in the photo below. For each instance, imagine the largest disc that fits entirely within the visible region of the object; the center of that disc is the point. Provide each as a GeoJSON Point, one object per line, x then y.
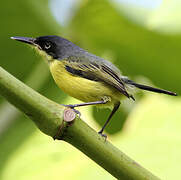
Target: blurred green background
{"type": "Point", "coordinates": [143, 38]}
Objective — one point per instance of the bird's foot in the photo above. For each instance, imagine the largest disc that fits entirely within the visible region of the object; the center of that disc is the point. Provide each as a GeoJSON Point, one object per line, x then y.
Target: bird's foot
{"type": "Point", "coordinates": [76, 111]}
{"type": "Point", "coordinates": [103, 135]}
{"type": "Point", "coordinates": [72, 107]}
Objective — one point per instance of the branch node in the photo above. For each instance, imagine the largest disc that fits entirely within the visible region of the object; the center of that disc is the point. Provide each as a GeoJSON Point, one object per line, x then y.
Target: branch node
{"type": "Point", "coordinates": [69, 116]}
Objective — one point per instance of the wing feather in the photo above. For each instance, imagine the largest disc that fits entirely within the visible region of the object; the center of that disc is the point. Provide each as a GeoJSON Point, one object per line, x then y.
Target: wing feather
{"type": "Point", "coordinates": [96, 72]}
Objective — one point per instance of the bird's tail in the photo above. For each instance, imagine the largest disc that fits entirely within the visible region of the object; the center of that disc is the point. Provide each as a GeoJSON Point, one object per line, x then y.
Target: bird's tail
{"type": "Point", "coordinates": [148, 88]}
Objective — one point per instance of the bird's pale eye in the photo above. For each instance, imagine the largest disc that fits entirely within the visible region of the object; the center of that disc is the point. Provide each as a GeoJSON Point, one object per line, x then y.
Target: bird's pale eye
{"type": "Point", "coordinates": [47, 45]}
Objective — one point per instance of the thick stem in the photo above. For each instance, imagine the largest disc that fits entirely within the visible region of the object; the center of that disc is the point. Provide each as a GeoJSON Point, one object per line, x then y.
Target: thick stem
{"type": "Point", "coordinates": [104, 153]}
{"type": "Point", "coordinates": [48, 116]}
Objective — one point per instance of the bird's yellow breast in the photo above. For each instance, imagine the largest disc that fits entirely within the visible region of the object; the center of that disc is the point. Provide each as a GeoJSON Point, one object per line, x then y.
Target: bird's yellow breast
{"type": "Point", "coordinates": [82, 88]}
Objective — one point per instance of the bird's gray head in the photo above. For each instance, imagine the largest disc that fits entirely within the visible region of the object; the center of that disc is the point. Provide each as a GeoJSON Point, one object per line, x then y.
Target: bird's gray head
{"type": "Point", "coordinates": [54, 46]}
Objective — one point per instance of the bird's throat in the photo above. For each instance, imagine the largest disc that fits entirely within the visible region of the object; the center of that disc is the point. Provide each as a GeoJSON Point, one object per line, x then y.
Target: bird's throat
{"type": "Point", "coordinates": [45, 56]}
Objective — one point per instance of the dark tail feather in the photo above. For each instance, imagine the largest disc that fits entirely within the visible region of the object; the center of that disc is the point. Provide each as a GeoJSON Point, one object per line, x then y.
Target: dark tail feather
{"type": "Point", "coordinates": [148, 88]}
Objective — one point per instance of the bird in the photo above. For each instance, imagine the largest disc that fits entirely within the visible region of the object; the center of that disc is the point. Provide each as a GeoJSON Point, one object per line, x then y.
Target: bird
{"type": "Point", "coordinates": [85, 76]}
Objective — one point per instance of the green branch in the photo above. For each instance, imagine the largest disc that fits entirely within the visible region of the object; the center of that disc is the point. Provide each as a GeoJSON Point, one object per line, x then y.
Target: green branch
{"type": "Point", "coordinates": [49, 117]}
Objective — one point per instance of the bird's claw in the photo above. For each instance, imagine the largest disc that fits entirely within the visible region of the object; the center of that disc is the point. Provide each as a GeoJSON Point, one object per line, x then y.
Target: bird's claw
{"type": "Point", "coordinates": [72, 107]}
{"type": "Point", "coordinates": [76, 111]}
{"type": "Point", "coordinates": [103, 135]}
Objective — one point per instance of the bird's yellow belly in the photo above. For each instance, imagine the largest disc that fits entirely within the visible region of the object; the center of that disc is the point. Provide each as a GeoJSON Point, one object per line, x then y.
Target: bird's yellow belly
{"type": "Point", "coordinates": [82, 88]}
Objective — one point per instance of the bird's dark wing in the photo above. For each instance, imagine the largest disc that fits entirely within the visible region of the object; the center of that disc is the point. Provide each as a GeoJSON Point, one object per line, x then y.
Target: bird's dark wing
{"type": "Point", "coordinates": [96, 72]}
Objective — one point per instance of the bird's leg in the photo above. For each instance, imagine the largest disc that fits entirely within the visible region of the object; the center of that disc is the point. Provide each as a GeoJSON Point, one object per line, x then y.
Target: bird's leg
{"type": "Point", "coordinates": [72, 106]}
{"type": "Point", "coordinates": [86, 104]}
{"type": "Point", "coordinates": [116, 106]}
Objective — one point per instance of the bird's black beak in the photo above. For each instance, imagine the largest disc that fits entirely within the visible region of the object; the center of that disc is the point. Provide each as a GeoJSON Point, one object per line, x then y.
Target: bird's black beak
{"type": "Point", "coordinates": [25, 40]}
